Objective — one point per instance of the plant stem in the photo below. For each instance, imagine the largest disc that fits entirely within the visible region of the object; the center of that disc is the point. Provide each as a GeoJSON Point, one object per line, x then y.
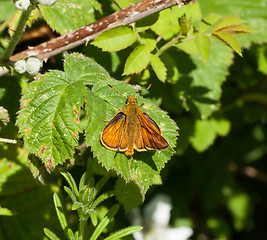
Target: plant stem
{"type": "Point", "coordinates": [16, 37]}
{"type": "Point", "coordinates": [83, 229]}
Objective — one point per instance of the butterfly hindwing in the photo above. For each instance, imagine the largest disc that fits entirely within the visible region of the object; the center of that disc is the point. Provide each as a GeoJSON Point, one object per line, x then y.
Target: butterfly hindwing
{"type": "Point", "coordinates": [151, 134]}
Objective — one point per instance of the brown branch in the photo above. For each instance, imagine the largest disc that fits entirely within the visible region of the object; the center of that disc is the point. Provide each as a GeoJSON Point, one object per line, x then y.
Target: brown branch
{"type": "Point", "coordinates": [83, 35]}
{"type": "Point", "coordinates": [248, 171]}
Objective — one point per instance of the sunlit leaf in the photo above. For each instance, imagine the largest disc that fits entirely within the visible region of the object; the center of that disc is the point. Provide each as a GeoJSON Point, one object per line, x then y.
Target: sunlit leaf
{"type": "Point", "coordinates": [66, 16]}
{"type": "Point", "coordinates": [115, 39]}
{"type": "Point", "coordinates": [158, 67]}
{"type": "Point", "coordinates": [137, 61]}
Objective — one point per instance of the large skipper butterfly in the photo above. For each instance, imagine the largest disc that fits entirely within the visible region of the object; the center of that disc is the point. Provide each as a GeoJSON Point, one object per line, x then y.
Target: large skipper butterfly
{"type": "Point", "coordinates": [132, 129]}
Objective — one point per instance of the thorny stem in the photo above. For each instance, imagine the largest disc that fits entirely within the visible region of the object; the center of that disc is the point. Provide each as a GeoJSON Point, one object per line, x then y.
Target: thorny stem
{"type": "Point", "coordinates": [17, 34]}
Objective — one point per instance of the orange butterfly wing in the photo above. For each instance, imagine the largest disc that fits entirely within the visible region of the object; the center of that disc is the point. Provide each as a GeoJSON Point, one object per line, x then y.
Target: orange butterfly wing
{"type": "Point", "coordinates": [150, 137]}
{"type": "Point", "coordinates": [113, 135]}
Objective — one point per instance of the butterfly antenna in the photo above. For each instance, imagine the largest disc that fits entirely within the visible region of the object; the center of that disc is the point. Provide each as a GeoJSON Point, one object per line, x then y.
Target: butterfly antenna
{"type": "Point", "coordinates": [149, 86]}
{"type": "Point", "coordinates": [115, 90]}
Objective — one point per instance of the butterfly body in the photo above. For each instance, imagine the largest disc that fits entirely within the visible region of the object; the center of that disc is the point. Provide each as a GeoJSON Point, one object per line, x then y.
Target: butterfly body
{"type": "Point", "coordinates": [132, 129]}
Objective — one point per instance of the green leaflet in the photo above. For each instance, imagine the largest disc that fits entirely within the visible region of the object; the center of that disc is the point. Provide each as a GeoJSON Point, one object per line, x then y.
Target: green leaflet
{"type": "Point", "coordinates": [49, 119]}
{"type": "Point", "coordinates": [137, 61]}
{"type": "Point", "coordinates": [66, 16]}
{"type": "Point", "coordinates": [115, 39]}
{"type": "Point", "coordinates": [203, 45]}
{"type": "Point", "coordinates": [158, 67]}
{"type": "Point", "coordinates": [254, 12]}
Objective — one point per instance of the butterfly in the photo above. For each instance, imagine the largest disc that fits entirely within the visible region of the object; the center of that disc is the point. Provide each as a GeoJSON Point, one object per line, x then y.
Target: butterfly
{"type": "Point", "coordinates": [131, 129]}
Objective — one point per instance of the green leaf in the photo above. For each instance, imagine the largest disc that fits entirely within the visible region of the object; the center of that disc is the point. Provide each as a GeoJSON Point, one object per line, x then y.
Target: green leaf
{"type": "Point", "coordinates": [229, 40]}
{"type": "Point", "coordinates": [60, 213]}
{"type": "Point", "coordinates": [137, 61]}
{"type": "Point", "coordinates": [254, 12]}
{"type": "Point", "coordinates": [142, 167]}
{"type": "Point", "coordinates": [100, 184]}
{"type": "Point", "coordinates": [262, 59]}
{"type": "Point", "coordinates": [145, 23]}
{"type": "Point", "coordinates": [200, 88]}
{"type": "Point", "coordinates": [188, 46]}
{"type": "Point", "coordinates": [65, 17]}
{"type": "Point", "coordinates": [71, 194]}
{"type": "Point", "coordinates": [206, 132]}
{"type": "Point", "coordinates": [147, 38]}
{"type": "Point", "coordinates": [104, 222]}
{"type": "Point", "coordinates": [82, 71]}
{"type": "Point", "coordinates": [115, 39]}
{"type": "Point", "coordinates": [71, 182]}
{"type": "Point", "coordinates": [5, 212]}
{"type": "Point", "coordinates": [50, 234]}
{"type": "Point", "coordinates": [226, 22]}
{"type": "Point", "coordinates": [207, 22]}
{"type": "Point", "coordinates": [239, 205]}
{"type": "Point", "coordinates": [93, 217]}
{"type": "Point", "coordinates": [71, 234]}
{"type": "Point", "coordinates": [167, 24]}
{"type": "Point", "coordinates": [124, 232]}
{"type": "Point", "coordinates": [7, 9]}
{"type": "Point", "coordinates": [102, 198]}
{"type": "Point", "coordinates": [76, 205]}
{"type": "Point", "coordinates": [124, 3]}
{"type": "Point", "coordinates": [158, 67]}
{"type": "Point", "coordinates": [49, 118]}
{"type": "Point", "coordinates": [203, 45]}
{"type": "Point", "coordinates": [82, 183]}
{"type": "Point", "coordinates": [128, 194]}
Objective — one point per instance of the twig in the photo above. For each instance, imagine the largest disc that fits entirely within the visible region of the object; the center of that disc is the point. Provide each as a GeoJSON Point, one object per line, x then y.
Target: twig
{"type": "Point", "coordinates": [83, 35]}
{"type": "Point", "coordinates": [17, 33]}
{"type": "Point", "coordinates": [12, 141]}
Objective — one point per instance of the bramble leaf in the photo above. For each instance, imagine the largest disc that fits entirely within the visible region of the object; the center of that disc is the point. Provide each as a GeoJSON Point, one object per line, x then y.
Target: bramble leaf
{"type": "Point", "coordinates": [66, 16]}
{"type": "Point", "coordinates": [142, 167]}
{"type": "Point", "coordinates": [49, 119]}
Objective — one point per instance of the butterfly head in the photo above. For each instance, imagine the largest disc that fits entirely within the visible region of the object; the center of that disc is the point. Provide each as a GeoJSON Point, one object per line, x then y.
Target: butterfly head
{"type": "Point", "coordinates": [131, 100]}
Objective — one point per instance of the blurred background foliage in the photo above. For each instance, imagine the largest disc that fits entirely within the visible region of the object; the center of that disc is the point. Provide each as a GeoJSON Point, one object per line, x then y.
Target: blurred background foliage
{"type": "Point", "coordinates": [217, 178]}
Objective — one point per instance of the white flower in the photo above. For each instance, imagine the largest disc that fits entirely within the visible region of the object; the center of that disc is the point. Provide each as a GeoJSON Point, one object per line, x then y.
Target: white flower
{"type": "Point", "coordinates": [20, 66]}
{"type": "Point", "coordinates": [47, 2]}
{"type": "Point", "coordinates": [33, 65]}
{"type": "Point", "coordinates": [157, 215]}
{"type": "Point", "coordinates": [22, 4]}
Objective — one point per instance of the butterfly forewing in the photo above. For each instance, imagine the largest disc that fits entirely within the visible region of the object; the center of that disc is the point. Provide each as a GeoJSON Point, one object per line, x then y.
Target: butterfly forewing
{"type": "Point", "coordinates": [112, 134]}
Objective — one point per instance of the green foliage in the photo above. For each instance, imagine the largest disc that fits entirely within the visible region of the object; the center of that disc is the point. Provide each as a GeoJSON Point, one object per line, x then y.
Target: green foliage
{"type": "Point", "coordinates": [217, 174]}
{"type": "Point", "coordinates": [56, 103]}
{"type": "Point", "coordinates": [85, 201]}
